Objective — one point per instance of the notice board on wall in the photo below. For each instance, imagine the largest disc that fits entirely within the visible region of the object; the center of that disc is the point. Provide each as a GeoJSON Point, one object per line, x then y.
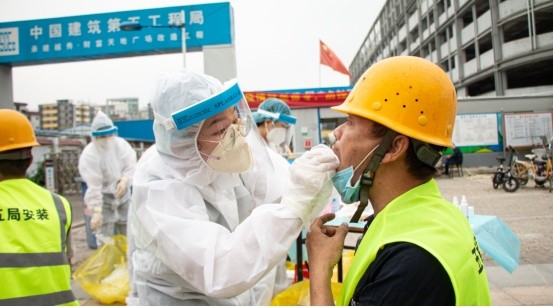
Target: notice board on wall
{"type": "Point", "coordinates": [526, 129]}
{"type": "Point", "coordinates": [475, 130]}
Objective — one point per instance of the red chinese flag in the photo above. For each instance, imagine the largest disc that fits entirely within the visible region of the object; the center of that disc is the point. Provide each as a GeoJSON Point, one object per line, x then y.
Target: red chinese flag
{"type": "Point", "coordinates": [329, 58]}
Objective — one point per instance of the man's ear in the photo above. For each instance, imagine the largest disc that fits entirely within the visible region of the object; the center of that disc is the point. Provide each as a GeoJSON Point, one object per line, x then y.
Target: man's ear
{"type": "Point", "coordinates": [400, 145]}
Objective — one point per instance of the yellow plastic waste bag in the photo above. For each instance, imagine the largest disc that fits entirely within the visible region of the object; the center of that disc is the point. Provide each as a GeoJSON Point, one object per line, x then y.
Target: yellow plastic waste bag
{"type": "Point", "coordinates": [104, 274]}
{"type": "Point", "coordinates": [298, 294]}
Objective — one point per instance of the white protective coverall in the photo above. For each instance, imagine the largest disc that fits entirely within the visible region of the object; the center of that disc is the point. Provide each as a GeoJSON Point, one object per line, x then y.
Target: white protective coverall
{"type": "Point", "coordinates": [102, 167]}
{"type": "Point", "coordinates": [203, 237]}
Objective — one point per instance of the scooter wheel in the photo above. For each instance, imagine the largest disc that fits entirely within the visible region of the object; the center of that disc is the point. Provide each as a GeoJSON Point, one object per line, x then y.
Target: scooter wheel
{"type": "Point", "coordinates": [496, 180]}
{"type": "Point", "coordinates": [510, 185]}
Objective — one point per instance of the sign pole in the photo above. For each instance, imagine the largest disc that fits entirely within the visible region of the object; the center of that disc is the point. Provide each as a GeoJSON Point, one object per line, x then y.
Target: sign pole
{"type": "Point", "coordinates": [183, 39]}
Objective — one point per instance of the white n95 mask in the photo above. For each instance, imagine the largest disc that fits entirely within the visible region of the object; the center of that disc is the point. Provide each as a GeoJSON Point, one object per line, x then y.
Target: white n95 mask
{"type": "Point", "coordinates": [277, 136]}
{"type": "Point", "coordinates": [103, 142]}
{"type": "Point", "coordinates": [237, 159]}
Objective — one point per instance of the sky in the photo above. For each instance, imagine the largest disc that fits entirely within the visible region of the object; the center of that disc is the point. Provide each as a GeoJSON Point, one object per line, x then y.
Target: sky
{"type": "Point", "coordinates": [276, 41]}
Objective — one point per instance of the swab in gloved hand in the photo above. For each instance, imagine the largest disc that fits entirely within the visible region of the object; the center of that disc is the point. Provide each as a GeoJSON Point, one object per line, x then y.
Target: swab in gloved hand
{"type": "Point", "coordinates": [310, 186]}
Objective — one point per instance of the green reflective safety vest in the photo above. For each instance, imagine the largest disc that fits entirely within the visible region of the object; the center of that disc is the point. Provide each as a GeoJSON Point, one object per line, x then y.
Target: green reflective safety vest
{"type": "Point", "coordinates": [421, 216]}
{"type": "Point", "coordinates": [34, 225]}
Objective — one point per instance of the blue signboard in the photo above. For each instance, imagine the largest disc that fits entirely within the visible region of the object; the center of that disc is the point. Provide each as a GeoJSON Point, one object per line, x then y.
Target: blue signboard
{"type": "Point", "coordinates": [136, 130]}
{"type": "Point", "coordinates": [99, 36]}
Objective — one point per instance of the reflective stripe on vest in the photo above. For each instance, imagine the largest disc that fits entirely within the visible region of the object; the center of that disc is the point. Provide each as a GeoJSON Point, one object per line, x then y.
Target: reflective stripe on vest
{"type": "Point", "coordinates": [422, 217]}
{"type": "Point", "coordinates": [49, 299]}
{"type": "Point", "coordinates": [33, 278]}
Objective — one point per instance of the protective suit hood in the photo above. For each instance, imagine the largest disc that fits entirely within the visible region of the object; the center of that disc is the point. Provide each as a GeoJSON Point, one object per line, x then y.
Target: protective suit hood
{"type": "Point", "coordinates": [178, 148]}
{"type": "Point", "coordinates": [102, 125]}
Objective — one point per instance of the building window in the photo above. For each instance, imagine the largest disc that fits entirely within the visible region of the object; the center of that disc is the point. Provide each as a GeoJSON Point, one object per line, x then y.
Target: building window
{"type": "Point", "coordinates": [467, 18]}
{"type": "Point", "coordinates": [485, 43]}
{"type": "Point", "coordinates": [402, 46]}
{"type": "Point", "coordinates": [515, 29]}
{"type": "Point", "coordinates": [440, 6]}
{"type": "Point", "coordinates": [444, 64]}
{"type": "Point", "coordinates": [448, 64]}
{"type": "Point", "coordinates": [539, 73]}
{"type": "Point", "coordinates": [482, 6]}
{"type": "Point", "coordinates": [411, 9]}
{"type": "Point", "coordinates": [414, 34]}
{"type": "Point", "coordinates": [544, 20]}
{"type": "Point", "coordinates": [470, 52]}
{"type": "Point", "coordinates": [480, 87]}
{"type": "Point", "coordinates": [424, 23]}
{"type": "Point", "coordinates": [442, 37]}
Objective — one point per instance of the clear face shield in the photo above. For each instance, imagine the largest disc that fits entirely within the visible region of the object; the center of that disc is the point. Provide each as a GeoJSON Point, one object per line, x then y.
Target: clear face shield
{"type": "Point", "coordinates": [228, 140]}
{"type": "Point", "coordinates": [279, 135]}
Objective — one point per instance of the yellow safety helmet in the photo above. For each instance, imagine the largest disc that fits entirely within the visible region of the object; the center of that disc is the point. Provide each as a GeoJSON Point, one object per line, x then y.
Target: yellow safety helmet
{"type": "Point", "coordinates": [407, 94]}
{"type": "Point", "coordinates": [16, 131]}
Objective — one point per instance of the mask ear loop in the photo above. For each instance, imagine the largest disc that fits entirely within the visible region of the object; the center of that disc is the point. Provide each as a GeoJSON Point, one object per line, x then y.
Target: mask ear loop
{"type": "Point", "coordinates": [367, 179]}
{"type": "Point", "coordinates": [362, 161]}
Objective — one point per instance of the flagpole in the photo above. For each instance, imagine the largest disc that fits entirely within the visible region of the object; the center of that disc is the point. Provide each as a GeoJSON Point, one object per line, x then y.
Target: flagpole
{"type": "Point", "coordinates": [319, 72]}
{"type": "Point", "coordinates": [319, 63]}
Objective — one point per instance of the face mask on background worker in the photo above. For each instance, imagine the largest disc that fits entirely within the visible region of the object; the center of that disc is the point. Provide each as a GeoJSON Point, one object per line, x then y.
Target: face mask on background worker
{"type": "Point", "coordinates": [279, 131]}
{"type": "Point", "coordinates": [104, 141]}
{"type": "Point", "coordinates": [277, 135]}
{"type": "Point", "coordinates": [103, 130]}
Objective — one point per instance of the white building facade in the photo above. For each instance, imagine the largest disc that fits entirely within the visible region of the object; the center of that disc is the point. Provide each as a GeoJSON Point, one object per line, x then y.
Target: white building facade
{"type": "Point", "coordinates": [488, 47]}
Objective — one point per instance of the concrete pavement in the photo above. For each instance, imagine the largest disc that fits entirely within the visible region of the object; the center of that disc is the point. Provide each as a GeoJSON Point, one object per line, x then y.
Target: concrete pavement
{"type": "Point", "coordinates": [529, 212]}
{"type": "Point", "coordinates": [530, 284]}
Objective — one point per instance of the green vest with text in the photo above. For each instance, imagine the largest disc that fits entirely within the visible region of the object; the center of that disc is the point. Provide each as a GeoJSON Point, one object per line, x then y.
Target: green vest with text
{"type": "Point", "coordinates": [422, 217]}
{"type": "Point", "coordinates": [34, 224]}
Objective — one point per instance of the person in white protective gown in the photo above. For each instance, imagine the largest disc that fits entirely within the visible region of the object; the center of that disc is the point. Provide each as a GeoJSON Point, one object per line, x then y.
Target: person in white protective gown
{"type": "Point", "coordinates": [276, 125]}
{"type": "Point", "coordinates": [107, 166]}
{"type": "Point", "coordinates": [201, 234]}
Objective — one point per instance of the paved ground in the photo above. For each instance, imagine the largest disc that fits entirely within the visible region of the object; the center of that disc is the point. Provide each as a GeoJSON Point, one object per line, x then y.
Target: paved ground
{"type": "Point", "coordinates": [528, 212]}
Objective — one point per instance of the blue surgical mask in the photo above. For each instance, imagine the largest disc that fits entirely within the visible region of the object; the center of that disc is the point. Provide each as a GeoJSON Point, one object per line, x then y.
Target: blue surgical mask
{"type": "Point", "coordinates": [342, 182]}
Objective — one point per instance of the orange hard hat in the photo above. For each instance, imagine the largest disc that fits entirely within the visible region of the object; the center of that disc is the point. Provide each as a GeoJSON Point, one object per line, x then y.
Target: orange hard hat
{"type": "Point", "coordinates": [16, 131]}
{"type": "Point", "coordinates": [407, 94]}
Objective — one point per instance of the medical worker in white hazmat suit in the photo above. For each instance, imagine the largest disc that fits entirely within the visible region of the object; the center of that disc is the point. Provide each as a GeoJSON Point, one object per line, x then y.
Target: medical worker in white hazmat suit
{"type": "Point", "coordinates": [202, 234]}
{"type": "Point", "coordinates": [107, 166]}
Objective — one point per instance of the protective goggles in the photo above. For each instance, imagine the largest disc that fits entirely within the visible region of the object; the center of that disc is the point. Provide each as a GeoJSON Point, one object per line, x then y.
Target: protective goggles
{"type": "Point", "coordinates": [209, 107]}
{"type": "Point", "coordinates": [278, 116]}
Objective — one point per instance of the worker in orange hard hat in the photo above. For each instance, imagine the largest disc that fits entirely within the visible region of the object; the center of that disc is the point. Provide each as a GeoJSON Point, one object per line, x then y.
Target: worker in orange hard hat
{"type": "Point", "coordinates": [417, 248]}
{"type": "Point", "coordinates": [31, 218]}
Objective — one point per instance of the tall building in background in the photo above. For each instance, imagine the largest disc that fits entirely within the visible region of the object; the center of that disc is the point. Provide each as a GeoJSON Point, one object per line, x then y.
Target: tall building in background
{"type": "Point", "coordinates": [122, 108]}
{"type": "Point", "coordinates": [66, 114]}
{"type": "Point", "coordinates": [48, 116]}
{"type": "Point", "coordinates": [488, 47]}
{"type": "Point", "coordinates": [57, 116]}
{"type": "Point", "coordinates": [83, 114]}
{"type": "Point", "coordinates": [146, 112]}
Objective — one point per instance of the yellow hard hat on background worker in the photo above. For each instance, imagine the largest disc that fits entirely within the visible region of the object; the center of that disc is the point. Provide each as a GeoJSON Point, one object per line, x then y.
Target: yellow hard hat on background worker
{"type": "Point", "coordinates": [16, 133]}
